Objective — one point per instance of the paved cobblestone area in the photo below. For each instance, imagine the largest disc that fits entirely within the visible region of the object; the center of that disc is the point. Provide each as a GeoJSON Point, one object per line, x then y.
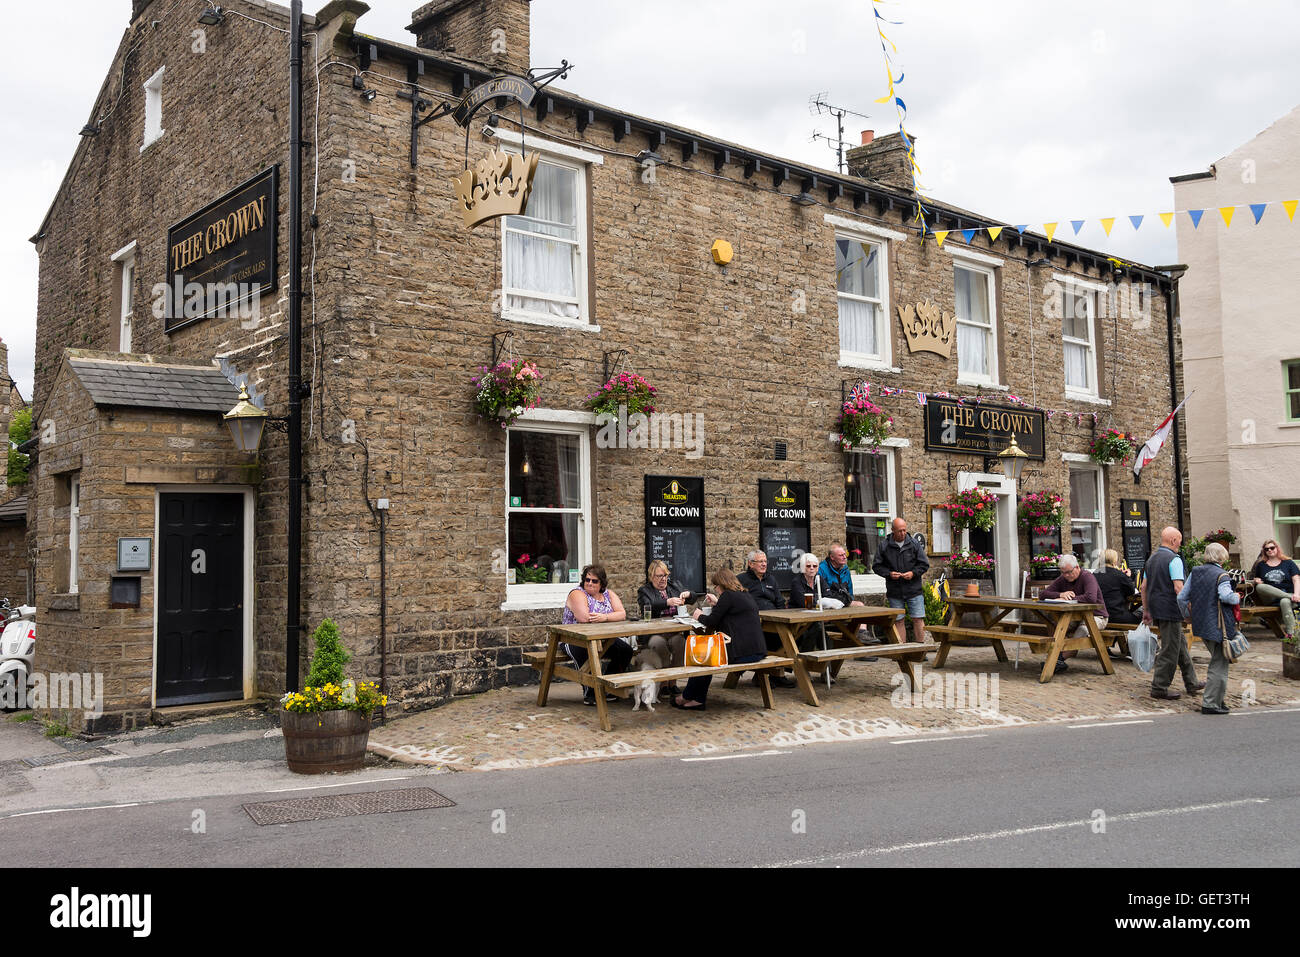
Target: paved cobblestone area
{"type": "Point", "coordinates": [506, 728]}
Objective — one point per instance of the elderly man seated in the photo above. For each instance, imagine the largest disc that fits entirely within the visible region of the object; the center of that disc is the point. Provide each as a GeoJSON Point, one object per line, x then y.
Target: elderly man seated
{"type": "Point", "coordinates": [1077, 584]}
{"type": "Point", "coordinates": [762, 584]}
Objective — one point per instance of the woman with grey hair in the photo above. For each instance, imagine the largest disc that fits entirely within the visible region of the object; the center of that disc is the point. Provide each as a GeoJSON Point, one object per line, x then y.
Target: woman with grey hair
{"type": "Point", "coordinates": [804, 580]}
{"type": "Point", "coordinates": [1207, 599]}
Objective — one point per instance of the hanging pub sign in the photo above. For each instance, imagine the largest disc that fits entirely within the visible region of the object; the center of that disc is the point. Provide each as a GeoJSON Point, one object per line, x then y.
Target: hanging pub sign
{"type": "Point", "coordinates": [500, 183]}
{"type": "Point", "coordinates": [1135, 527]}
{"type": "Point", "coordinates": [983, 429]}
{"type": "Point", "coordinates": [516, 88]}
{"type": "Point", "coordinates": [674, 527]}
{"type": "Point", "coordinates": [222, 259]}
{"type": "Point", "coordinates": [784, 525]}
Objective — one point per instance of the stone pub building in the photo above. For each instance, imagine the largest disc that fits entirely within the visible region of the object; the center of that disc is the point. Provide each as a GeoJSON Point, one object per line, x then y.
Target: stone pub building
{"type": "Point", "coordinates": [753, 292]}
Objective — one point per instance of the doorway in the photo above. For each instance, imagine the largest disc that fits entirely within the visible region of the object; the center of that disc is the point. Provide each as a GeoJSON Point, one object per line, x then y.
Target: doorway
{"type": "Point", "coordinates": [1000, 540]}
{"type": "Point", "coordinates": [200, 597]}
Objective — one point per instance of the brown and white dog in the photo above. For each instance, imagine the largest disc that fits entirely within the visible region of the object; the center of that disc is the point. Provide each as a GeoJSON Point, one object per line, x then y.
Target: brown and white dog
{"type": "Point", "coordinates": [647, 692]}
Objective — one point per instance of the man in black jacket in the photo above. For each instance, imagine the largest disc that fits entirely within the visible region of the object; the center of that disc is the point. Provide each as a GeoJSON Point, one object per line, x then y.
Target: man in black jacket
{"type": "Point", "coordinates": [761, 583]}
{"type": "Point", "coordinates": [901, 562]}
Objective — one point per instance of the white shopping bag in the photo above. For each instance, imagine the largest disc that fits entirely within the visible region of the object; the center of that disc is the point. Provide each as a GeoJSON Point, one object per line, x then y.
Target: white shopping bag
{"type": "Point", "coordinates": [1142, 647]}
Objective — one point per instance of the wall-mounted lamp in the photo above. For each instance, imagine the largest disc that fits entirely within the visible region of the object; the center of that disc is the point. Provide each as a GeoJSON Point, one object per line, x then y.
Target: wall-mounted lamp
{"type": "Point", "coordinates": [90, 129]}
{"type": "Point", "coordinates": [212, 16]}
{"type": "Point", "coordinates": [369, 95]}
{"type": "Point", "coordinates": [246, 422]}
{"type": "Point", "coordinates": [1040, 262]}
{"type": "Point", "coordinates": [804, 199]}
{"type": "Point", "coordinates": [649, 156]}
{"type": "Point", "coordinates": [1013, 460]}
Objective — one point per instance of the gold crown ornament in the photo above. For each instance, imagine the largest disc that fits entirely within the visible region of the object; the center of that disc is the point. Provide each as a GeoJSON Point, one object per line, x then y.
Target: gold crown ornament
{"type": "Point", "coordinates": [928, 328]}
{"type": "Point", "coordinates": [498, 186]}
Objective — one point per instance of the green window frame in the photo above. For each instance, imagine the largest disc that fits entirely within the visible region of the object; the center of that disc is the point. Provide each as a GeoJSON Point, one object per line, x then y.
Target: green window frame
{"type": "Point", "coordinates": [1291, 389]}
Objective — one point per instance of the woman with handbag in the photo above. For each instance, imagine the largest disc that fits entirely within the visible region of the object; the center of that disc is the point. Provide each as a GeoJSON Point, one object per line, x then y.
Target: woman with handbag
{"type": "Point", "coordinates": [735, 615]}
{"type": "Point", "coordinates": [1207, 599]}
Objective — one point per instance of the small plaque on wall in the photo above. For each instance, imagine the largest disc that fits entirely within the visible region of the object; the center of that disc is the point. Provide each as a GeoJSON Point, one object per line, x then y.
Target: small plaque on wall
{"type": "Point", "coordinates": [133, 554]}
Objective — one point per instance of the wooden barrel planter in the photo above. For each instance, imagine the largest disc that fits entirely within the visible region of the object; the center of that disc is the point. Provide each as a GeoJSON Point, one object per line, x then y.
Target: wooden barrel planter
{"type": "Point", "coordinates": [325, 741]}
{"type": "Point", "coordinates": [1290, 663]}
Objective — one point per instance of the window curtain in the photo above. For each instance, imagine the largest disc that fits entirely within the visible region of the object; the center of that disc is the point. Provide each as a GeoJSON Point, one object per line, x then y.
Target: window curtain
{"type": "Point", "coordinates": [857, 274]}
{"type": "Point", "coordinates": [972, 306]}
{"type": "Point", "coordinates": [1076, 366]}
{"type": "Point", "coordinates": [546, 265]}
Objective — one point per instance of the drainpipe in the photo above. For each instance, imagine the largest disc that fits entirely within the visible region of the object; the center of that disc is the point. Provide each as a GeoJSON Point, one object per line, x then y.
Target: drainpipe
{"type": "Point", "coordinates": [293, 626]}
{"type": "Point", "coordinates": [1171, 300]}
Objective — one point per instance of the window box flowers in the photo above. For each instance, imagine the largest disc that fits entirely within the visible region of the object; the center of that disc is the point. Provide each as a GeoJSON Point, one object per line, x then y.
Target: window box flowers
{"type": "Point", "coordinates": [1045, 566]}
{"type": "Point", "coordinates": [975, 508]}
{"type": "Point", "coordinates": [505, 390]}
{"type": "Point", "coordinates": [973, 565]}
{"type": "Point", "coordinates": [1113, 447]}
{"type": "Point", "coordinates": [863, 425]}
{"type": "Point", "coordinates": [1041, 512]}
{"type": "Point", "coordinates": [625, 389]}
{"type": "Point", "coordinates": [1222, 536]}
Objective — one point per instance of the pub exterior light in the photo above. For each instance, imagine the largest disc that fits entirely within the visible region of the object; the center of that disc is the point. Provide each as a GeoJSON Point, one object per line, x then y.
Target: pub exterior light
{"type": "Point", "coordinates": [212, 16]}
{"type": "Point", "coordinates": [246, 422]}
{"type": "Point", "coordinates": [1013, 460]}
{"type": "Point", "coordinates": [722, 252]}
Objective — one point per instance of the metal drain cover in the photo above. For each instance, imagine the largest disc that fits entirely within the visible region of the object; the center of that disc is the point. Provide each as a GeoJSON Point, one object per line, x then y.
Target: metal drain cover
{"type": "Point", "coordinates": [346, 805]}
{"type": "Point", "coordinates": [45, 760]}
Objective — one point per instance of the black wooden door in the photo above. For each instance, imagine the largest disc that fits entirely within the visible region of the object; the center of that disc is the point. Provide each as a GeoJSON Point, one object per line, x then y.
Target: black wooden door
{"type": "Point", "coordinates": [200, 598]}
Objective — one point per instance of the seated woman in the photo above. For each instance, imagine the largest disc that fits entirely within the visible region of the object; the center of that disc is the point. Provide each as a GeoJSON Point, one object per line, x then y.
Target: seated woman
{"type": "Point", "coordinates": [1117, 588]}
{"type": "Point", "coordinates": [803, 585]}
{"type": "Point", "coordinates": [1277, 582]}
{"type": "Point", "coordinates": [662, 597]}
{"type": "Point", "coordinates": [736, 615]}
{"type": "Point", "coordinates": [591, 603]}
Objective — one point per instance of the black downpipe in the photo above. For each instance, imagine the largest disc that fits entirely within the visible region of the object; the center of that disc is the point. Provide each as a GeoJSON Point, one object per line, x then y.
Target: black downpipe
{"type": "Point", "coordinates": [293, 626]}
{"type": "Point", "coordinates": [1171, 294]}
{"type": "Point", "coordinates": [383, 614]}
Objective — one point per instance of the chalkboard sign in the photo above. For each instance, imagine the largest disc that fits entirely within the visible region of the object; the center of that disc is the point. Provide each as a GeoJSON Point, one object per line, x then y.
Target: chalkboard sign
{"type": "Point", "coordinates": [1135, 525]}
{"type": "Point", "coordinates": [784, 525]}
{"type": "Point", "coordinates": [674, 527]}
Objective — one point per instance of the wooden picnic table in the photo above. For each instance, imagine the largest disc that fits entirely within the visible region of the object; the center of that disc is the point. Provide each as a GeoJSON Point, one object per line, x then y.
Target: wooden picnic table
{"type": "Point", "coordinates": [595, 636]}
{"type": "Point", "coordinates": [842, 632]}
{"type": "Point", "coordinates": [1044, 626]}
{"type": "Point", "coordinates": [1270, 615]}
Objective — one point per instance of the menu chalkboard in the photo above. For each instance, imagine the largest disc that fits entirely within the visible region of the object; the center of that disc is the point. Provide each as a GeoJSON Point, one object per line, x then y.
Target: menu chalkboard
{"type": "Point", "coordinates": [784, 525]}
{"type": "Point", "coordinates": [1135, 525]}
{"type": "Point", "coordinates": [674, 527]}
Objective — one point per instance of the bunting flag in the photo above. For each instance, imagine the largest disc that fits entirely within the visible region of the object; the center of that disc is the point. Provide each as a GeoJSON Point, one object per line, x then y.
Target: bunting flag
{"type": "Point", "coordinates": [920, 398]}
{"type": "Point", "coordinates": [1226, 212]}
{"type": "Point", "coordinates": [1136, 221]}
{"type": "Point", "coordinates": [863, 388]}
{"type": "Point", "coordinates": [1147, 453]}
{"type": "Point", "coordinates": [1290, 205]}
{"type": "Point", "coordinates": [1196, 215]}
{"type": "Point", "coordinates": [967, 235]}
{"type": "Point", "coordinates": [901, 107]}
{"type": "Point", "coordinates": [1050, 229]}
{"type": "Point", "coordinates": [1166, 218]}
{"type": "Point", "coordinates": [1258, 210]}
{"type": "Point", "coordinates": [940, 235]}
{"type": "Point", "coordinates": [1023, 226]}
{"type": "Point", "coordinates": [1107, 223]}
{"type": "Point", "coordinates": [996, 231]}
{"type": "Point", "coordinates": [1077, 224]}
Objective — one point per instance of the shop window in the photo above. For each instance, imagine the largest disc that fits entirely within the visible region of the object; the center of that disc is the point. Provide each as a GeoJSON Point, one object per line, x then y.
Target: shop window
{"type": "Point", "coordinates": [153, 110]}
{"type": "Point", "coordinates": [124, 294]}
{"type": "Point", "coordinates": [1078, 325]}
{"type": "Point", "coordinates": [1291, 372]}
{"type": "Point", "coordinates": [1286, 523]}
{"type": "Point", "coordinates": [545, 259]}
{"type": "Point", "coordinates": [977, 361]}
{"type": "Point", "coordinates": [861, 286]}
{"type": "Point", "coordinates": [547, 511]}
{"type": "Point", "coordinates": [1087, 530]}
{"type": "Point", "coordinates": [869, 503]}
{"type": "Point", "coordinates": [67, 501]}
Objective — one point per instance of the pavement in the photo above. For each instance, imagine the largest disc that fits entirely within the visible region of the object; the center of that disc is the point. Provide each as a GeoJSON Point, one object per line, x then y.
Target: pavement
{"type": "Point", "coordinates": [506, 729]}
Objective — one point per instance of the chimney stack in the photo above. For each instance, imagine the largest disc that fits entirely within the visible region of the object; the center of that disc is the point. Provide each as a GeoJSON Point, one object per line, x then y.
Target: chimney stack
{"type": "Point", "coordinates": [494, 33]}
{"type": "Point", "coordinates": [882, 159]}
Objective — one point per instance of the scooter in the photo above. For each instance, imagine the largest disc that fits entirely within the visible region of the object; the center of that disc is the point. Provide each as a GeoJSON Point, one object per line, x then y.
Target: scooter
{"type": "Point", "coordinates": [17, 650]}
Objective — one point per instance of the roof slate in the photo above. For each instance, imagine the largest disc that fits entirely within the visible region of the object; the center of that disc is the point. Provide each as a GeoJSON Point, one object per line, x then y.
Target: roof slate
{"type": "Point", "coordinates": [152, 386]}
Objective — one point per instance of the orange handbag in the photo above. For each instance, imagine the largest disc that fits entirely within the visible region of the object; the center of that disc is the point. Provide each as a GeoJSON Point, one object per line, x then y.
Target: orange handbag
{"type": "Point", "coordinates": [706, 651]}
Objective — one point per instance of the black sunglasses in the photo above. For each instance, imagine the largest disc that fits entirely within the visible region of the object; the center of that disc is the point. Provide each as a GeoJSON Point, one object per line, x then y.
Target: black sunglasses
{"type": "Point", "coordinates": [591, 581]}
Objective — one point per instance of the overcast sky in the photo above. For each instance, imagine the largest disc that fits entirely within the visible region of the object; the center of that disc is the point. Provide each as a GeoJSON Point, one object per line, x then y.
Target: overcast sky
{"type": "Point", "coordinates": [1025, 112]}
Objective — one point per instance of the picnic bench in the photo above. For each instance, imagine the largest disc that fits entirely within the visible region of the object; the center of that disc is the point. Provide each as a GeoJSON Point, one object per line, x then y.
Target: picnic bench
{"type": "Point", "coordinates": [1119, 632]}
{"type": "Point", "coordinates": [843, 644]}
{"type": "Point", "coordinates": [1045, 626]}
{"type": "Point", "coordinates": [591, 675]}
{"type": "Point", "coordinates": [1268, 615]}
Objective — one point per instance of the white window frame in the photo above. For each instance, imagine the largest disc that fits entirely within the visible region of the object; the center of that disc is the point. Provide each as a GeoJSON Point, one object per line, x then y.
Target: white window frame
{"type": "Point", "coordinates": [153, 110]}
{"type": "Point", "coordinates": [970, 264]}
{"type": "Point", "coordinates": [1100, 521]}
{"type": "Point", "coordinates": [74, 533]}
{"type": "Point", "coordinates": [871, 583]}
{"type": "Point", "coordinates": [567, 157]}
{"type": "Point", "coordinates": [1073, 286]}
{"type": "Point", "coordinates": [552, 594]}
{"type": "Point", "coordinates": [124, 263]}
{"type": "Point", "coordinates": [884, 339]}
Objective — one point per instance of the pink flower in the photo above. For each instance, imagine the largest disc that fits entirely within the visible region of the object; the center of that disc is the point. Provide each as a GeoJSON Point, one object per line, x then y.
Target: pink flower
{"type": "Point", "coordinates": [524, 557]}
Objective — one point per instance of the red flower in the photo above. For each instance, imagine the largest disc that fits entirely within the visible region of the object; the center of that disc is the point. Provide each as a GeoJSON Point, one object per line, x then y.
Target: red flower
{"type": "Point", "coordinates": [524, 557]}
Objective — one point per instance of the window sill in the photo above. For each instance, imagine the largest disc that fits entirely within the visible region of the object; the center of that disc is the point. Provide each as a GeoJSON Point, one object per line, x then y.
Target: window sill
{"type": "Point", "coordinates": [893, 442]}
{"type": "Point", "coordinates": [1086, 397]}
{"type": "Point", "coordinates": [534, 320]}
{"type": "Point", "coordinates": [1289, 425]}
{"type": "Point", "coordinates": [868, 585]}
{"type": "Point", "coordinates": [984, 385]}
{"type": "Point", "coordinates": [68, 602]}
{"type": "Point", "coordinates": [537, 597]}
{"type": "Point", "coordinates": [850, 361]}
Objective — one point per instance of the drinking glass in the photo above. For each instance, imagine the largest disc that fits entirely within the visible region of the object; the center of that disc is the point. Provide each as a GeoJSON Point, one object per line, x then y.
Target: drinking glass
{"type": "Point", "coordinates": [808, 601]}
{"type": "Point", "coordinates": [1033, 592]}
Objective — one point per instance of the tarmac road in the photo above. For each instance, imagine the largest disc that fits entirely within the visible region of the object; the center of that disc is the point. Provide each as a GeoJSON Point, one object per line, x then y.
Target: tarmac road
{"type": "Point", "coordinates": [1177, 790]}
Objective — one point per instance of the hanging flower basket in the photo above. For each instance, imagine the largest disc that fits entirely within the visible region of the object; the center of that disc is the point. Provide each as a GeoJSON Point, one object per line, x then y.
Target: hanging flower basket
{"type": "Point", "coordinates": [973, 565]}
{"type": "Point", "coordinates": [975, 508]}
{"type": "Point", "coordinates": [863, 424]}
{"type": "Point", "coordinates": [505, 390]}
{"type": "Point", "coordinates": [1222, 536]}
{"type": "Point", "coordinates": [1041, 511]}
{"type": "Point", "coordinates": [1113, 447]}
{"type": "Point", "coordinates": [625, 389]}
{"type": "Point", "coordinates": [1045, 566]}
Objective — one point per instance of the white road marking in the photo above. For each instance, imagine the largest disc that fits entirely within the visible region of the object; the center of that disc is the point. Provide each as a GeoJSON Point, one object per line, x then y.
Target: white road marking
{"type": "Point", "coordinates": [944, 737]}
{"type": "Point", "coordinates": [730, 757]}
{"type": "Point", "coordinates": [1108, 724]}
{"type": "Point", "coordinates": [1018, 832]}
{"type": "Point", "coordinates": [1238, 713]}
{"type": "Point", "coordinates": [61, 810]}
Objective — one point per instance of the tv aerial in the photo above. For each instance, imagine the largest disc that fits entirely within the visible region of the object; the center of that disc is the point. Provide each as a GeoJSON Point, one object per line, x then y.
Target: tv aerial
{"type": "Point", "coordinates": [818, 106]}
